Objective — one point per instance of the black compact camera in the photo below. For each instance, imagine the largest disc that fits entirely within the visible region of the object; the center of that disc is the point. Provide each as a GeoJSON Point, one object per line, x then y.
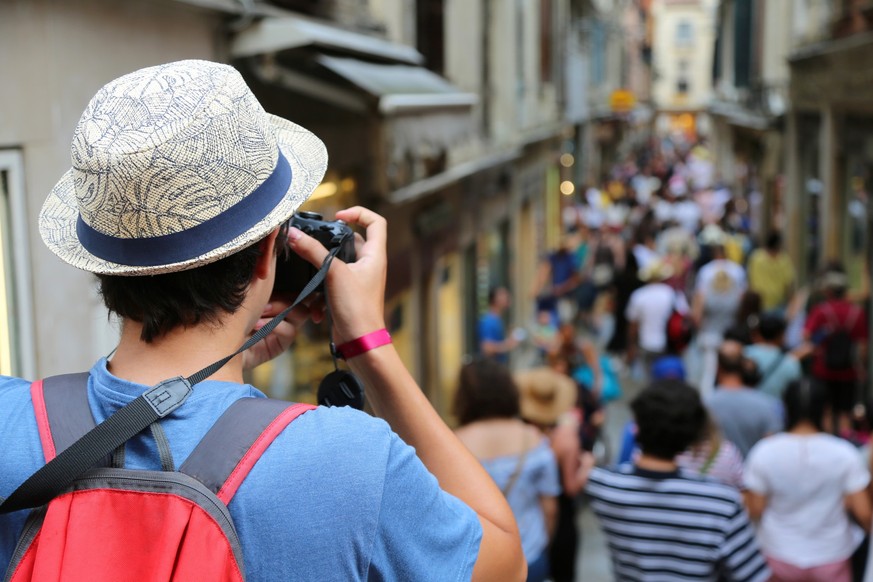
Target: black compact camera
{"type": "Point", "coordinates": [292, 272]}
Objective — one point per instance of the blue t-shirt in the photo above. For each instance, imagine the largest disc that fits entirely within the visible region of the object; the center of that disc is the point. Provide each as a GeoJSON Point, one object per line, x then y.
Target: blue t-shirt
{"type": "Point", "coordinates": [491, 330]}
{"type": "Point", "coordinates": [537, 478]}
{"type": "Point", "coordinates": [337, 496]}
{"type": "Point", "coordinates": [564, 266]}
{"type": "Point", "coordinates": [777, 369]}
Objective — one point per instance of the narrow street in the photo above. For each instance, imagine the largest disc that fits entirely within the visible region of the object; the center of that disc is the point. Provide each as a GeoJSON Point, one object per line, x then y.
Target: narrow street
{"type": "Point", "coordinates": [593, 562]}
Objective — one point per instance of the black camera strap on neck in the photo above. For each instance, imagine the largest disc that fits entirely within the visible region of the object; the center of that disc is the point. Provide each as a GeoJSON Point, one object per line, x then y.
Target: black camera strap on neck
{"type": "Point", "coordinates": [137, 415]}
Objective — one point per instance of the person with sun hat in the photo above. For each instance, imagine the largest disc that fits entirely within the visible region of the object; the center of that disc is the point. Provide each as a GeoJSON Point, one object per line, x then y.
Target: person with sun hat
{"type": "Point", "coordinates": [180, 189]}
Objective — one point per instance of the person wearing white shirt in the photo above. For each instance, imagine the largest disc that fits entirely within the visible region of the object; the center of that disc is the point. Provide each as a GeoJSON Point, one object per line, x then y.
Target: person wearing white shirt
{"type": "Point", "coordinates": [803, 486]}
{"type": "Point", "coordinates": [649, 308]}
{"type": "Point", "coordinates": [717, 294]}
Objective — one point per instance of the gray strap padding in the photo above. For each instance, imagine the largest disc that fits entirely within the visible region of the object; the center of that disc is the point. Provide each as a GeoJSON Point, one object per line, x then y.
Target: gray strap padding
{"type": "Point", "coordinates": [229, 439]}
{"type": "Point", "coordinates": [67, 408]}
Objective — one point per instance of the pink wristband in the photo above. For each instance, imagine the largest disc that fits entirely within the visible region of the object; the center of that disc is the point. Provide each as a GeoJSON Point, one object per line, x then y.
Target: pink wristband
{"type": "Point", "coordinates": [363, 344]}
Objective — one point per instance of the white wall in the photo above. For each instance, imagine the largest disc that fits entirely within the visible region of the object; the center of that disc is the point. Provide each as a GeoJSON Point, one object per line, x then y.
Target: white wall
{"type": "Point", "coordinates": [54, 57]}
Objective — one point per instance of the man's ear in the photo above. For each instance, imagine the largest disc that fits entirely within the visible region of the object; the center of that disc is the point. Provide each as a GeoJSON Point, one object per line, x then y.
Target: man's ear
{"type": "Point", "coordinates": [266, 256]}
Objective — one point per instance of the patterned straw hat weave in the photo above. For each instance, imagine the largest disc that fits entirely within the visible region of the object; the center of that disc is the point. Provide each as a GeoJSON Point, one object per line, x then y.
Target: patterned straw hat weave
{"type": "Point", "coordinates": [181, 164]}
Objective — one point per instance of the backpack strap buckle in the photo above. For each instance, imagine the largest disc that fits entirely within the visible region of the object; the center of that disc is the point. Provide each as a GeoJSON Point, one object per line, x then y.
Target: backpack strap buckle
{"type": "Point", "coordinates": [169, 395]}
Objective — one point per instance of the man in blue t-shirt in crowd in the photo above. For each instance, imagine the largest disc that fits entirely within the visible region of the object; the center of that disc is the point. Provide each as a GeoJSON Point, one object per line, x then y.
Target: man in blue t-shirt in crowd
{"type": "Point", "coordinates": [493, 342]}
{"type": "Point", "coordinates": [178, 200]}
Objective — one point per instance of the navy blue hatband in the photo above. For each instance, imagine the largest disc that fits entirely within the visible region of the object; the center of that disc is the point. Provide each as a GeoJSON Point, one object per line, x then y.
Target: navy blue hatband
{"type": "Point", "coordinates": [198, 240]}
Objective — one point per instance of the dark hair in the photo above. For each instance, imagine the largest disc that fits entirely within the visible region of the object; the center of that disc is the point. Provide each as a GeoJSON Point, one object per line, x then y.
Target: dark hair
{"type": "Point", "coordinates": [669, 416]}
{"type": "Point", "coordinates": [485, 390]}
{"type": "Point", "coordinates": [730, 363]}
{"type": "Point", "coordinates": [774, 241]}
{"type": "Point", "coordinates": [771, 327]}
{"type": "Point", "coordinates": [804, 399]}
{"type": "Point", "coordinates": [739, 333]}
{"type": "Point", "coordinates": [162, 303]}
{"type": "Point", "coordinates": [492, 294]}
{"type": "Point", "coordinates": [750, 305]}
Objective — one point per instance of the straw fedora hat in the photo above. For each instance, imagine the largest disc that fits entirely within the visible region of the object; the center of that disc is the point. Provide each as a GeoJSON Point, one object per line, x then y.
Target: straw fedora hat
{"type": "Point", "coordinates": [545, 395]}
{"type": "Point", "coordinates": [173, 167]}
{"type": "Point", "coordinates": [656, 271]}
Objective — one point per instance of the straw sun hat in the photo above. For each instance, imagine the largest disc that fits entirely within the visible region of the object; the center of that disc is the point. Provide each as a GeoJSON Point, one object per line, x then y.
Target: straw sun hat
{"type": "Point", "coordinates": [656, 271]}
{"type": "Point", "coordinates": [545, 395]}
{"type": "Point", "coordinates": [173, 167]}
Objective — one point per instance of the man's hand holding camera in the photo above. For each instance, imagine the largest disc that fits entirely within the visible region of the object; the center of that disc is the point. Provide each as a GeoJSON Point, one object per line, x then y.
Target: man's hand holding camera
{"type": "Point", "coordinates": [355, 290]}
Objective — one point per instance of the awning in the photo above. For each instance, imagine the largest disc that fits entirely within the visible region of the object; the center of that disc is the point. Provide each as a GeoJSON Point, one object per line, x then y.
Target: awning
{"type": "Point", "coordinates": [276, 34]}
{"type": "Point", "coordinates": [434, 183]}
{"type": "Point", "coordinates": [400, 88]}
{"type": "Point", "coordinates": [422, 115]}
{"type": "Point", "coordinates": [740, 116]}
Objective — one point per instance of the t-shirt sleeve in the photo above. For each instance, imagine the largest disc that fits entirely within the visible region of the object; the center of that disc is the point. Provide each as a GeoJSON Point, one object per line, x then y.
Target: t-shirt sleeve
{"type": "Point", "coordinates": [423, 532]}
{"type": "Point", "coordinates": [857, 475]}
{"type": "Point", "coordinates": [814, 321]}
{"type": "Point", "coordinates": [632, 312]}
{"type": "Point", "coordinates": [755, 472]}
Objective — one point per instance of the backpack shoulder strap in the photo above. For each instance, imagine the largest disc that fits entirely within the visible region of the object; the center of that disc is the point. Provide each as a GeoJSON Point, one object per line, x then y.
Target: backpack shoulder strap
{"type": "Point", "coordinates": [226, 455]}
{"type": "Point", "coordinates": [63, 414]}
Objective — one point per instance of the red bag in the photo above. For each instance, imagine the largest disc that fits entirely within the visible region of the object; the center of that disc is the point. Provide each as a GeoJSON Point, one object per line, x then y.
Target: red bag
{"type": "Point", "coordinates": [117, 525]}
{"type": "Point", "coordinates": [680, 330]}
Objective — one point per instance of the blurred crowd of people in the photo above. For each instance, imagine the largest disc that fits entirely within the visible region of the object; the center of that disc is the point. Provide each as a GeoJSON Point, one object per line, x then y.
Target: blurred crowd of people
{"type": "Point", "coordinates": [748, 455]}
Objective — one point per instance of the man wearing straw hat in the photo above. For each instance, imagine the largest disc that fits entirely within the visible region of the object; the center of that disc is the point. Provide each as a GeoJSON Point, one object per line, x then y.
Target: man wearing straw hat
{"type": "Point", "coordinates": [179, 187]}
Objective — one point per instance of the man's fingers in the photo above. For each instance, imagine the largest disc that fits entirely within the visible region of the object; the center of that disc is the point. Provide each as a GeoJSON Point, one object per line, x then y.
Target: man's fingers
{"type": "Point", "coordinates": [359, 244]}
{"type": "Point", "coordinates": [309, 249]}
{"type": "Point", "coordinates": [376, 225]}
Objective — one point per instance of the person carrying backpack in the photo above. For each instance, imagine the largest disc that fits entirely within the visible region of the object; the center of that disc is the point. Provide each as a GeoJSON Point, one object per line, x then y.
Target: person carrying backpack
{"type": "Point", "coordinates": [177, 200]}
{"type": "Point", "coordinates": [839, 330]}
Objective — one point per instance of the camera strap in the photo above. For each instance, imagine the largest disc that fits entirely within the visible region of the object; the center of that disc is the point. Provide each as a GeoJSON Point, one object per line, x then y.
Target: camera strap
{"type": "Point", "coordinates": [131, 419]}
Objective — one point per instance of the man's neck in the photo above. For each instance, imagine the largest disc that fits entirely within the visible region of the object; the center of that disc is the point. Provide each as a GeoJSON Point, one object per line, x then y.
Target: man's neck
{"type": "Point", "coordinates": [182, 352]}
{"type": "Point", "coordinates": [650, 463]}
{"type": "Point", "coordinates": [731, 383]}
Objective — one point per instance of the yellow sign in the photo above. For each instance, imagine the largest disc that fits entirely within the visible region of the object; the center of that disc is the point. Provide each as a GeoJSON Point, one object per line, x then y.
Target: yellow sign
{"type": "Point", "coordinates": [622, 101]}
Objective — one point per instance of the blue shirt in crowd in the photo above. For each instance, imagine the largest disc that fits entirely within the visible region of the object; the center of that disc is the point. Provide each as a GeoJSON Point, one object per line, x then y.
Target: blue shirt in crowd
{"type": "Point", "coordinates": [491, 329]}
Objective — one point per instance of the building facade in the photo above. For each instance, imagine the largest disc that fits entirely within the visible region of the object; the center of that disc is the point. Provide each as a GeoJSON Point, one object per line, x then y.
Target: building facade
{"type": "Point", "coordinates": [829, 149]}
{"type": "Point", "coordinates": [750, 99]}
{"type": "Point", "coordinates": [683, 45]}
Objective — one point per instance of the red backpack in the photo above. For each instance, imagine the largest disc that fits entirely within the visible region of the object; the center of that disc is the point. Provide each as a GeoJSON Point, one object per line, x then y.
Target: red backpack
{"type": "Point", "coordinates": [111, 524]}
{"type": "Point", "coordinates": [679, 329]}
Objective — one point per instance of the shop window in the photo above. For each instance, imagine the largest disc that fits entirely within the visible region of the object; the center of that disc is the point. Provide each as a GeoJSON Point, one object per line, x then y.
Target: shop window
{"type": "Point", "coordinates": [811, 202]}
{"type": "Point", "coordinates": [430, 33]}
{"type": "Point", "coordinates": [449, 329]}
{"type": "Point", "coordinates": [684, 33]}
{"type": "Point", "coordinates": [743, 48]}
{"type": "Point", "coordinates": [546, 42]}
{"type": "Point", "coordinates": [16, 355]}
{"type": "Point", "coordinates": [856, 182]}
{"type": "Point", "coordinates": [472, 300]}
